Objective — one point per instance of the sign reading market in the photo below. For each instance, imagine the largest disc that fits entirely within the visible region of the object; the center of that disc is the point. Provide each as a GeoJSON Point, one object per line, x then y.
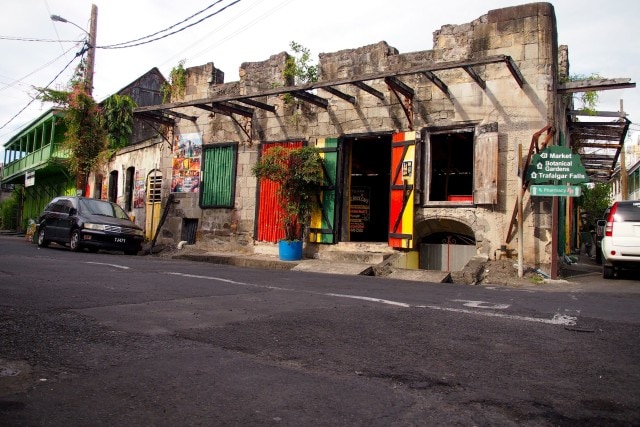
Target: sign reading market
{"type": "Point", "coordinates": [557, 165]}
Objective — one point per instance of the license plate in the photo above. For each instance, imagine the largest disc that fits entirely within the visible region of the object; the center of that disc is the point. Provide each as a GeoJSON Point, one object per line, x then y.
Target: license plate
{"type": "Point", "coordinates": [119, 239]}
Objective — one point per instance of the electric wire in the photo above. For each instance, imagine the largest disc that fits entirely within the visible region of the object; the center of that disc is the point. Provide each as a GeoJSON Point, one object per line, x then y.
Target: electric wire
{"type": "Point", "coordinates": [171, 33]}
{"type": "Point", "coordinates": [30, 39]}
{"type": "Point", "coordinates": [166, 29]}
{"type": "Point", "coordinates": [80, 53]}
{"type": "Point", "coordinates": [8, 85]}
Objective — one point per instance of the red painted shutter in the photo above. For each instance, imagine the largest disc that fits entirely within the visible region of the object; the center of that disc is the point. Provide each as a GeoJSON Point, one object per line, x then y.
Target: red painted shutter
{"type": "Point", "coordinates": [403, 172]}
{"type": "Point", "coordinates": [269, 228]}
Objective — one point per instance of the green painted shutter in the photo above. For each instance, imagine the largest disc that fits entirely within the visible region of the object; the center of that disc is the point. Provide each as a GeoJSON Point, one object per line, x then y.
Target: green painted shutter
{"type": "Point", "coordinates": [323, 218]}
{"type": "Point", "coordinates": [218, 176]}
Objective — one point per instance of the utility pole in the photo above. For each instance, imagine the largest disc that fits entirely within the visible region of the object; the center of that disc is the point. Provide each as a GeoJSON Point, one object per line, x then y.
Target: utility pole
{"type": "Point", "coordinates": [91, 54]}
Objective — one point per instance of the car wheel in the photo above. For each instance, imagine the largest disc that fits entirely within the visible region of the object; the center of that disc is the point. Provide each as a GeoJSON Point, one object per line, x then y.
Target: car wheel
{"type": "Point", "coordinates": [607, 272]}
{"type": "Point", "coordinates": [74, 242]}
{"type": "Point", "coordinates": [42, 242]}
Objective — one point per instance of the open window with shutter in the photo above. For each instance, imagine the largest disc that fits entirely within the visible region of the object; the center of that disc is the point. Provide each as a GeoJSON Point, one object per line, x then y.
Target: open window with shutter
{"type": "Point", "coordinates": [218, 170]}
{"type": "Point", "coordinates": [485, 167]}
{"type": "Point", "coordinates": [460, 165]}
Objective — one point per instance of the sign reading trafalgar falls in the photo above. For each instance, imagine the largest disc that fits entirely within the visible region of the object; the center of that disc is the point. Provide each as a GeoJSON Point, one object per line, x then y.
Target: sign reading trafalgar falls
{"type": "Point", "coordinates": [556, 165]}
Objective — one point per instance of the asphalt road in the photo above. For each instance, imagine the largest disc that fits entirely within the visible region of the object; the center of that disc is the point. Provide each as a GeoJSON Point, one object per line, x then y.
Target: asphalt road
{"type": "Point", "coordinates": [106, 339]}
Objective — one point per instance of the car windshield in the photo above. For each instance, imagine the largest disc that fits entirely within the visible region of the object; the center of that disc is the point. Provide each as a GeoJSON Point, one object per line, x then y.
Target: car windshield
{"type": "Point", "coordinates": [100, 207]}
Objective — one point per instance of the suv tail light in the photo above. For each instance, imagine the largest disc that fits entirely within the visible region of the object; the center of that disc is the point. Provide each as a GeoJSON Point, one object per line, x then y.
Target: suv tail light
{"type": "Point", "coordinates": [608, 230]}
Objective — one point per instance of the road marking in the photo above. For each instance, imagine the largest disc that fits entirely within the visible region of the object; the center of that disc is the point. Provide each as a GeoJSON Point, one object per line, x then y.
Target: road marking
{"type": "Point", "coordinates": [124, 267]}
{"type": "Point", "coordinates": [382, 301]}
{"type": "Point", "coordinates": [558, 319]}
{"type": "Point", "coordinates": [482, 304]}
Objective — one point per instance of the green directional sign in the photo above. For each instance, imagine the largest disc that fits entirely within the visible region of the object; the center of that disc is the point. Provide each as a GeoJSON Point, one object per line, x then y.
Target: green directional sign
{"type": "Point", "coordinates": [556, 190]}
{"type": "Point", "coordinates": [558, 165]}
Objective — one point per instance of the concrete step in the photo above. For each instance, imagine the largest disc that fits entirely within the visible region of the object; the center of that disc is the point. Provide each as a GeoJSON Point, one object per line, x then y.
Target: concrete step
{"type": "Point", "coordinates": [370, 258]}
{"type": "Point", "coordinates": [333, 267]}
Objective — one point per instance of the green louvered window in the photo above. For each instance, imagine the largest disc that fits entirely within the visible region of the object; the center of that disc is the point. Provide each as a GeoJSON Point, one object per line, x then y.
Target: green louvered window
{"type": "Point", "coordinates": [218, 175]}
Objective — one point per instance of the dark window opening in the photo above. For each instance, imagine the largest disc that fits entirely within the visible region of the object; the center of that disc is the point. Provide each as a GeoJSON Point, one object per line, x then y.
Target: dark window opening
{"type": "Point", "coordinates": [189, 229]}
{"type": "Point", "coordinates": [450, 176]}
{"type": "Point", "coordinates": [113, 186]}
{"type": "Point", "coordinates": [128, 188]}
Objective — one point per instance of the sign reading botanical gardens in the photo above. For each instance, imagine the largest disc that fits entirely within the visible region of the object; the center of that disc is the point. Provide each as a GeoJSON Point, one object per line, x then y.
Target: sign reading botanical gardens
{"type": "Point", "coordinates": [558, 165]}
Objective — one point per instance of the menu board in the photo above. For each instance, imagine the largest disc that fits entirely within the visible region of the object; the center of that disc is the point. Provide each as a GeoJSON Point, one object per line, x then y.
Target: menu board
{"type": "Point", "coordinates": [360, 209]}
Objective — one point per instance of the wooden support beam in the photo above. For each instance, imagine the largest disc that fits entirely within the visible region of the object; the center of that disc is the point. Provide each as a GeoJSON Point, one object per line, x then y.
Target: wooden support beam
{"type": "Point", "coordinates": [339, 94]}
{"type": "Point", "coordinates": [400, 86]}
{"type": "Point", "coordinates": [472, 73]}
{"type": "Point", "coordinates": [258, 104]}
{"type": "Point", "coordinates": [310, 98]}
{"type": "Point", "coordinates": [574, 113]}
{"type": "Point", "coordinates": [515, 71]}
{"type": "Point", "coordinates": [365, 87]}
{"type": "Point", "coordinates": [436, 81]}
{"type": "Point", "coordinates": [595, 85]}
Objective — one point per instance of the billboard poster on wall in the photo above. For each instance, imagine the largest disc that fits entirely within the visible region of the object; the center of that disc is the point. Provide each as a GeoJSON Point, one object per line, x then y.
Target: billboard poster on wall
{"type": "Point", "coordinates": [139, 189]}
{"type": "Point", "coordinates": [187, 149]}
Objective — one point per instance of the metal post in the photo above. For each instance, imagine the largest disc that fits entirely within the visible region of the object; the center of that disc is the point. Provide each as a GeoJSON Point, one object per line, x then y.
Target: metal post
{"type": "Point", "coordinates": [520, 214]}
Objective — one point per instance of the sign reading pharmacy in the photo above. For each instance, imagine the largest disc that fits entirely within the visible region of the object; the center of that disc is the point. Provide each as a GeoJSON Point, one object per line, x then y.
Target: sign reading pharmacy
{"type": "Point", "coordinates": [556, 164]}
{"type": "Point", "coordinates": [556, 190]}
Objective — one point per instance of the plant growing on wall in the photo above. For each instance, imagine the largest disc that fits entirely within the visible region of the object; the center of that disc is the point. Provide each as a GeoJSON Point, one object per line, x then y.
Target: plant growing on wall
{"type": "Point", "coordinates": [299, 173]}
{"type": "Point", "coordinates": [177, 83]}
{"type": "Point", "coordinates": [589, 99]}
{"type": "Point", "coordinates": [298, 68]}
{"type": "Point", "coordinates": [117, 114]}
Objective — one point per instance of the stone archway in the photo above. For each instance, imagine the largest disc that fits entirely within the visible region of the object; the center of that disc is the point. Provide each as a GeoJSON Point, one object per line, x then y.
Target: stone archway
{"type": "Point", "coordinates": [445, 244]}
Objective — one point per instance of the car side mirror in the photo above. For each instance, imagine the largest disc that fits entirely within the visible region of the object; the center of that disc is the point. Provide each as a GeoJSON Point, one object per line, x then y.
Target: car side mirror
{"type": "Point", "coordinates": [73, 211]}
{"type": "Point", "coordinates": [601, 223]}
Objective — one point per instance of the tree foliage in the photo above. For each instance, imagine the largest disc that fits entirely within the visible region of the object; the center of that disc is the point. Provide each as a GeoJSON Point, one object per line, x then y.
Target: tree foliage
{"type": "Point", "coordinates": [299, 68]}
{"type": "Point", "coordinates": [117, 114]}
{"type": "Point", "coordinates": [594, 201]}
{"type": "Point", "coordinates": [300, 176]}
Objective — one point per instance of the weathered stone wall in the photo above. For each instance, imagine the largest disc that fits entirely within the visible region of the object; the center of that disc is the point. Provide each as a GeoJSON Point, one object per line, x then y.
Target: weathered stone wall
{"type": "Point", "coordinates": [525, 33]}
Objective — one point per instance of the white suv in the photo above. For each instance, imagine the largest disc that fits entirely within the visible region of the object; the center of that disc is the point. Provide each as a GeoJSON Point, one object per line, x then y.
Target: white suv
{"type": "Point", "coordinates": [621, 241]}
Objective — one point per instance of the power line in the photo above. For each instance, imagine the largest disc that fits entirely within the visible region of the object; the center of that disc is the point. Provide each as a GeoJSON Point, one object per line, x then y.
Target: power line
{"type": "Point", "coordinates": [29, 39]}
{"type": "Point", "coordinates": [8, 85]}
{"type": "Point", "coordinates": [84, 49]}
{"type": "Point", "coordinates": [166, 29]}
{"type": "Point", "coordinates": [169, 34]}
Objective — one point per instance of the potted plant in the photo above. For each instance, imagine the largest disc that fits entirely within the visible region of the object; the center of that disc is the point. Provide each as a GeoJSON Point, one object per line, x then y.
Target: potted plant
{"type": "Point", "coordinates": [298, 172]}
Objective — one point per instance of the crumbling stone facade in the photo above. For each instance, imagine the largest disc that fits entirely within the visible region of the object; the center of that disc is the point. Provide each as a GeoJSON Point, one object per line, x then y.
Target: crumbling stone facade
{"type": "Point", "coordinates": [463, 108]}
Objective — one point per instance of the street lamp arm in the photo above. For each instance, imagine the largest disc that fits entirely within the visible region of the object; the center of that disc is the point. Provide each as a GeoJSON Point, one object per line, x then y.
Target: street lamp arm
{"type": "Point", "coordinates": [59, 18]}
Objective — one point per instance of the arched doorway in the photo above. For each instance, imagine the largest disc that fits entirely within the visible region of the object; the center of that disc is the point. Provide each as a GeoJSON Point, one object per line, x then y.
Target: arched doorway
{"type": "Point", "coordinates": [445, 244]}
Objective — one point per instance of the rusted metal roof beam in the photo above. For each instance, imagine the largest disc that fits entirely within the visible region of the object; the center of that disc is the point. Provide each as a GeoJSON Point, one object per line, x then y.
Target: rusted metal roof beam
{"type": "Point", "coordinates": [475, 76]}
{"type": "Point", "coordinates": [515, 71]}
{"type": "Point", "coordinates": [310, 98]}
{"type": "Point", "coordinates": [436, 81]}
{"type": "Point", "coordinates": [400, 86]}
{"type": "Point", "coordinates": [620, 114]}
{"type": "Point", "coordinates": [350, 80]}
{"type": "Point", "coordinates": [155, 117]}
{"type": "Point", "coordinates": [368, 89]}
{"type": "Point", "coordinates": [332, 90]}
{"type": "Point", "coordinates": [234, 108]}
{"type": "Point", "coordinates": [258, 104]}
{"type": "Point", "coordinates": [180, 115]}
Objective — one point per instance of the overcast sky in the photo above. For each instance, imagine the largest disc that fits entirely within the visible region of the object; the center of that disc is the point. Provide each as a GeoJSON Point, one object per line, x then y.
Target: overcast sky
{"type": "Point", "coordinates": [600, 36]}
